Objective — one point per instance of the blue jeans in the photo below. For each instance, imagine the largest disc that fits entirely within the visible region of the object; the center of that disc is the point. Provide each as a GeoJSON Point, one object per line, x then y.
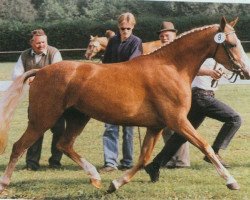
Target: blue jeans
{"type": "Point", "coordinates": [203, 105]}
{"type": "Point", "coordinates": [111, 145]}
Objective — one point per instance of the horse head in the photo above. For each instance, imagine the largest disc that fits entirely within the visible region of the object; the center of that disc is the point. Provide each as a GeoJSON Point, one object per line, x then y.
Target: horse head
{"type": "Point", "coordinates": [92, 48]}
{"type": "Point", "coordinates": [95, 45]}
{"type": "Point", "coordinates": [229, 50]}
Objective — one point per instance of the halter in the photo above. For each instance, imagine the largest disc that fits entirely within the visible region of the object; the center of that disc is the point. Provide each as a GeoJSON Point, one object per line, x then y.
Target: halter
{"type": "Point", "coordinates": [235, 67]}
{"type": "Point", "coordinates": [95, 45]}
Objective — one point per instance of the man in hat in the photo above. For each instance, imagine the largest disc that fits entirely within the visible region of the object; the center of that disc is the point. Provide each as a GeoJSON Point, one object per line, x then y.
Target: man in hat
{"type": "Point", "coordinates": [167, 34]}
{"type": "Point", "coordinates": [204, 104]}
{"type": "Point", "coordinates": [39, 55]}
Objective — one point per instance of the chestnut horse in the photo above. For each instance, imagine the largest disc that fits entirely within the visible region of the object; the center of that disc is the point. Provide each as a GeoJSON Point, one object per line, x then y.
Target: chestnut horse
{"type": "Point", "coordinates": [98, 44]}
{"type": "Point", "coordinates": [152, 91]}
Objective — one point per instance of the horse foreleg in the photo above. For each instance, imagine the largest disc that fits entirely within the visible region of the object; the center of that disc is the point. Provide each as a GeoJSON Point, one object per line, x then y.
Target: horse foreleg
{"type": "Point", "coordinates": [192, 136]}
{"type": "Point", "coordinates": [75, 123]}
{"type": "Point", "coordinates": [28, 138]}
{"type": "Point", "coordinates": [149, 142]}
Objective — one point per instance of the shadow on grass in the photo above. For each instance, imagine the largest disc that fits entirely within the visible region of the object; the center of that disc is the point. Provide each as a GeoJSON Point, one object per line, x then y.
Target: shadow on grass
{"type": "Point", "coordinates": [70, 189]}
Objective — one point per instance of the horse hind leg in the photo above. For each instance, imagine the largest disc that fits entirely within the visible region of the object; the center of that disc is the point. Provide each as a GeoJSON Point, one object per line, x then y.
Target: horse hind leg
{"type": "Point", "coordinates": [30, 136]}
{"type": "Point", "coordinates": [192, 136]}
{"type": "Point", "coordinates": [149, 142]}
{"type": "Point", "coordinates": [76, 122]}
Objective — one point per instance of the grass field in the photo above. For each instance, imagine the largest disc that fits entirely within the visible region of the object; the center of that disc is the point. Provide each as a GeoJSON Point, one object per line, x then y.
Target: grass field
{"type": "Point", "coordinates": [200, 181]}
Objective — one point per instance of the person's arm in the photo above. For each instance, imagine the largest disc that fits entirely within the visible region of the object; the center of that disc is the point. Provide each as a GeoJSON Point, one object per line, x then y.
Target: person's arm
{"type": "Point", "coordinates": [213, 73]}
{"type": "Point", "coordinates": [57, 57]}
{"type": "Point", "coordinates": [18, 69]}
{"type": "Point", "coordinates": [211, 68]}
{"type": "Point", "coordinates": [137, 50]}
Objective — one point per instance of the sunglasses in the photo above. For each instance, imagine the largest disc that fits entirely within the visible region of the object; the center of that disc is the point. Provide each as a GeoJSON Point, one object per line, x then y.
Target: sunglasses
{"type": "Point", "coordinates": [123, 29]}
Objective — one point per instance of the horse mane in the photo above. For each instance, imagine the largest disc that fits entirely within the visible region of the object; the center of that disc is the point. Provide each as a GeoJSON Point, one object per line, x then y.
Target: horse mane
{"type": "Point", "coordinates": [187, 33]}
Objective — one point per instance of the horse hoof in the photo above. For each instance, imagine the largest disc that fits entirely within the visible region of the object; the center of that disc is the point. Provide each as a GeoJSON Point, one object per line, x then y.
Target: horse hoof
{"type": "Point", "coordinates": [2, 188]}
{"type": "Point", "coordinates": [96, 183]}
{"type": "Point", "coordinates": [112, 187]}
{"type": "Point", "coordinates": [233, 186]}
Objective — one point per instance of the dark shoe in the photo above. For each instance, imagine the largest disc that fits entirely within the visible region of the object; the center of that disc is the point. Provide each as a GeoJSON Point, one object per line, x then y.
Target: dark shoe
{"type": "Point", "coordinates": [55, 165]}
{"type": "Point", "coordinates": [176, 167]}
{"type": "Point", "coordinates": [153, 172]}
{"type": "Point", "coordinates": [105, 169]}
{"type": "Point", "coordinates": [124, 168]}
{"type": "Point", "coordinates": [30, 168]}
{"type": "Point", "coordinates": [226, 165]}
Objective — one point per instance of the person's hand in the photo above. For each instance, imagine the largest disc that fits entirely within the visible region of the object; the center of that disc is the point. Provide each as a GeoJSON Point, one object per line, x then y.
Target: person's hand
{"type": "Point", "coordinates": [31, 79]}
{"type": "Point", "coordinates": [216, 73]}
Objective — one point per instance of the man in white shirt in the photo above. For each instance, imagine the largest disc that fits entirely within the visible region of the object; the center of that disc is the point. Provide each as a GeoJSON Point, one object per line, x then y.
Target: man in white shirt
{"type": "Point", "coordinates": [204, 104]}
{"type": "Point", "coordinates": [39, 55]}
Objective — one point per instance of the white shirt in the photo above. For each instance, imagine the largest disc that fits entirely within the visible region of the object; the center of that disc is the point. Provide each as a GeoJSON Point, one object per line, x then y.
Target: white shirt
{"type": "Point", "coordinates": [204, 82]}
{"type": "Point", "coordinates": [19, 68]}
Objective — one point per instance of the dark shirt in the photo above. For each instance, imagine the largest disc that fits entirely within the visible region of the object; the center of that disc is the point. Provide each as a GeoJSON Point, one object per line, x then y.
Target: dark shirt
{"type": "Point", "coordinates": [118, 51]}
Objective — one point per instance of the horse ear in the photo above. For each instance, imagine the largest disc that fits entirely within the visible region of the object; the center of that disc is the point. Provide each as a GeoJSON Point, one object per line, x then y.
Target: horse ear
{"type": "Point", "coordinates": [232, 23]}
{"type": "Point", "coordinates": [223, 23]}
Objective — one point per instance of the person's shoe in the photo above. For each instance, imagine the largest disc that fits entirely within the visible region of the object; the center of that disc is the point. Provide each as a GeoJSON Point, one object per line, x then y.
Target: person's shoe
{"type": "Point", "coordinates": [176, 166]}
{"type": "Point", "coordinates": [152, 172]}
{"type": "Point", "coordinates": [30, 168]}
{"type": "Point", "coordinates": [55, 165]}
{"type": "Point", "coordinates": [106, 169]}
{"type": "Point", "coordinates": [124, 168]}
{"type": "Point", "coordinates": [226, 165]}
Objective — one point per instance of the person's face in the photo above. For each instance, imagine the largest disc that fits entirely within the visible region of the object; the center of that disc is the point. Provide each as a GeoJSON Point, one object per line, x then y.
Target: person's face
{"type": "Point", "coordinates": [39, 44]}
{"type": "Point", "coordinates": [125, 29]}
{"type": "Point", "coordinates": [167, 36]}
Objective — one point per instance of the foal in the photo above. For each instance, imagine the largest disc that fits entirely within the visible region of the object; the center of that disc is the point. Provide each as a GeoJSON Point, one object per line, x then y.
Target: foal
{"type": "Point", "coordinates": [152, 91]}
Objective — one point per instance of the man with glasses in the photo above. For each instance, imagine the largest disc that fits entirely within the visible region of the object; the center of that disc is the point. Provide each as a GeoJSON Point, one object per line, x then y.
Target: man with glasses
{"type": "Point", "coordinates": [39, 55]}
{"type": "Point", "coordinates": [122, 47]}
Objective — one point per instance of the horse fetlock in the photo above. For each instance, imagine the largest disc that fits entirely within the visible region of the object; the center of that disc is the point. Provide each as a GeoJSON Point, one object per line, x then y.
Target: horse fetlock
{"type": "Point", "coordinates": [3, 184]}
{"type": "Point", "coordinates": [4, 180]}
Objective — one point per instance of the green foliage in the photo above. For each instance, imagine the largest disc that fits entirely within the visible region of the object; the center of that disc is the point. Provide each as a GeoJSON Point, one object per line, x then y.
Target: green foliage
{"type": "Point", "coordinates": [17, 10]}
{"type": "Point", "coordinates": [52, 10]}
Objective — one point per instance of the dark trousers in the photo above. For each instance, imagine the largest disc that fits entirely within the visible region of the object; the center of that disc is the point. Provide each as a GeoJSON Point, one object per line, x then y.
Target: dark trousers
{"type": "Point", "coordinates": [34, 152]}
{"type": "Point", "coordinates": [204, 105]}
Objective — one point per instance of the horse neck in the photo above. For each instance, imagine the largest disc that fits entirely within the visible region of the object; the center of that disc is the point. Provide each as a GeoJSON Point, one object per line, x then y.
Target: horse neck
{"type": "Point", "coordinates": [189, 51]}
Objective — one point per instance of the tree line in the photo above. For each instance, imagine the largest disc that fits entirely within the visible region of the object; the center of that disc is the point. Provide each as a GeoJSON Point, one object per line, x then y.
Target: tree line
{"type": "Point", "coordinates": [27, 11]}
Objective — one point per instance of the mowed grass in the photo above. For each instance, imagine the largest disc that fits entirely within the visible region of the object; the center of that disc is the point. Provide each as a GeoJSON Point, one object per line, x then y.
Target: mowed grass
{"type": "Point", "coordinates": [200, 181]}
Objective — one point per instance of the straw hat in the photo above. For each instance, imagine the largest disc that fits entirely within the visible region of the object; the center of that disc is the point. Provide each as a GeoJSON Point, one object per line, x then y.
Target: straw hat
{"type": "Point", "coordinates": [167, 26]}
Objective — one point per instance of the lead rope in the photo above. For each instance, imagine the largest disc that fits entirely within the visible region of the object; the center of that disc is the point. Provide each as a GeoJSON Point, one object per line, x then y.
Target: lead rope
{"type": "Point", "coordinates": [234, 75]}
{"type": "Point", "coordinates": [214, 83]}
{"type": "Point", "coordinates": [139, 132]}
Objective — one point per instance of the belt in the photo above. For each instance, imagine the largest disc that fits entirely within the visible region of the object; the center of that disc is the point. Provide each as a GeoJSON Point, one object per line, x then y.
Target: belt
{"type": "Point", "coordinates": [197, 91]}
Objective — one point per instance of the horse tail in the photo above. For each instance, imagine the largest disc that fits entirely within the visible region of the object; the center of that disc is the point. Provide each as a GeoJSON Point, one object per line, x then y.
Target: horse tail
{"type": "Point", "coordinates": [11, 97]}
